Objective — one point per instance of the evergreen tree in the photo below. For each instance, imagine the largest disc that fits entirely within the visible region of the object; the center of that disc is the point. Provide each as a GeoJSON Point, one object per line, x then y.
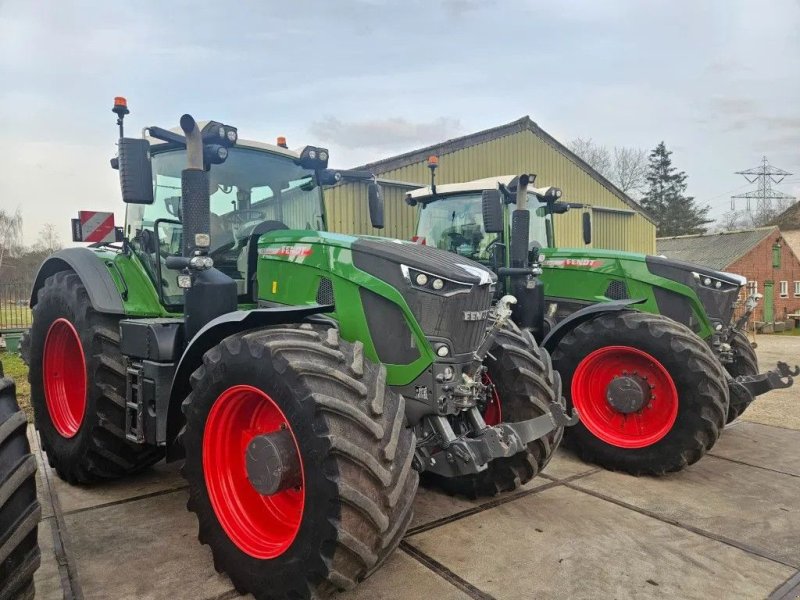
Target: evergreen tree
{"type": "Point", "coordinates": [674, 212]}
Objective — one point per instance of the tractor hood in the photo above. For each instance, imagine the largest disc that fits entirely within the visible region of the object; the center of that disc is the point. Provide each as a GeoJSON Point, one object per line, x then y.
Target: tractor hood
{"type": "Point", "coordinates": [716, 291]}
{"type": "Point", "coordinates": [427, 259]}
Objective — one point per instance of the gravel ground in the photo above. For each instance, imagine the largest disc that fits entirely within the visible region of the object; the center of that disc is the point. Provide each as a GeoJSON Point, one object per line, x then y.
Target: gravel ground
{"type": "Point", "coordinates": [778, 407]}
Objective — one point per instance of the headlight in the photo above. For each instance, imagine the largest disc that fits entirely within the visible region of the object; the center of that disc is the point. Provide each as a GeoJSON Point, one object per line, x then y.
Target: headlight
{"type": "Point", "coordinates": [430, 282]}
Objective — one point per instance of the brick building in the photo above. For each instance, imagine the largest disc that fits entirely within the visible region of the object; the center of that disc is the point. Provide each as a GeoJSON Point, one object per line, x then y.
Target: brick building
{"type": "Point", "coordinates": [762, 255]}
{"type": "Point", "coordinates": [789, 224]}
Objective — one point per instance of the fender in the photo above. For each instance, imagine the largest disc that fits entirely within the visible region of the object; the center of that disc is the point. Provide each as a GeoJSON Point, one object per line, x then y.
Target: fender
{"type": "Point", "coordinates": [91, 268]}
{"type": "Point", "coordinates": [555, 335]}
{"type": "Point", "coordinates": [212, 334]}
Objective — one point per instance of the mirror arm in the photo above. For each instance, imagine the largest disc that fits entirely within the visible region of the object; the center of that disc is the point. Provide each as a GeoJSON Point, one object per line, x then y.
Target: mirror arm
{"type": "Point", "coordinates": [165, 135]}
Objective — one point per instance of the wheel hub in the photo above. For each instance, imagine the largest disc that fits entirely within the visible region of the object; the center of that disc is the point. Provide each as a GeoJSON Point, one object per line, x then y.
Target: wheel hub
{"type": "Point", "coordinates": [272, 463]}
{"type": "Point", "coordinates": [627, 394]}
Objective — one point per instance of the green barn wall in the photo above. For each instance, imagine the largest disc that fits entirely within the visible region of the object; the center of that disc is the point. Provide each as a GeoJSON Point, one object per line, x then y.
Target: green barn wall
{"type": "Point", "coordinates": [521, 152]}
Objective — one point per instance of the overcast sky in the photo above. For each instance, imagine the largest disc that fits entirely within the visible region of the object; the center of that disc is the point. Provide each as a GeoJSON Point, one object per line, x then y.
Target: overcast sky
{"type": "Point", "coordinates": [719, 82]}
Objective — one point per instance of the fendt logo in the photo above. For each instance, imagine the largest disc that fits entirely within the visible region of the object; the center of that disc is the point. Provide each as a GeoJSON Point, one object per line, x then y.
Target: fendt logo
{"type": "Point", "coordinates": [476, 315]}
{"type": "Point", "coordinates": [289, 251]}
{"type": "Point", "coordinates": [573, 262]}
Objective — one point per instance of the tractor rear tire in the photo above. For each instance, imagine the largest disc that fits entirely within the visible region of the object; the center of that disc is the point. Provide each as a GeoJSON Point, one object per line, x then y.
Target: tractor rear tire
{"type": "Point", "coordinates": [354, 501]}
{"type": "Point", "coordinates": [745, 362]}
{"type": "Point", "coordinates": [687, 399]}
{"type": "Point", "coordinates": [526, 385]}
{"type": "Point", "coordinates": [19, 509]}
{"type": "Point", "coordinates": [78, 396]}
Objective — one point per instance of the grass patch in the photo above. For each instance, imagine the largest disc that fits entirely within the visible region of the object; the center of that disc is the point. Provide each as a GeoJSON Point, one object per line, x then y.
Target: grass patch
{"type": "Point", "coordinates": [17, 370]}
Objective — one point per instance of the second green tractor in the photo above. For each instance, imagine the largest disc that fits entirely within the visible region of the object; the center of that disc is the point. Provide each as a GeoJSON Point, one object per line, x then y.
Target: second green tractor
{"type": "Point", "coordinates": [648, 348]}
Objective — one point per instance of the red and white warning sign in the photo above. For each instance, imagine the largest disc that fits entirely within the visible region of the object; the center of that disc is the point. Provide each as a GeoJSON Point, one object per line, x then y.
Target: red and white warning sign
{"type": "Point", "coordinates": [93, 226]}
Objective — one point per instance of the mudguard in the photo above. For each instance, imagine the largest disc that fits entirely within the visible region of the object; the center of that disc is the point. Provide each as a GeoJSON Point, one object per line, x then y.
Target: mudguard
{"type": "Point", "coordinates": [212, 334]}
{"type": "Point", "coordinates": [103, 292]}
{"type": "Point", "coordinates": [555, 335]}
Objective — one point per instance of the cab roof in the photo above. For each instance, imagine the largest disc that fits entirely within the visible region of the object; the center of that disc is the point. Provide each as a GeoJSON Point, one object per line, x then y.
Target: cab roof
{"type": "Point", "coordinates": [240, 143]}
{"type": "Point", "coordinates": [477, 185]}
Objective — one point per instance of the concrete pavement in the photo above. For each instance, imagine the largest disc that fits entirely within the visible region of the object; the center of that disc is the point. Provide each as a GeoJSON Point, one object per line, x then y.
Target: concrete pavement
{"type": "Point", "coordinates": [727, 527]}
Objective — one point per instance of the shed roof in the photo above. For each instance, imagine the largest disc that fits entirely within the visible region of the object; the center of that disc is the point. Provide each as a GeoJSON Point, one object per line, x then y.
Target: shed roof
{"type": "Point", "coordinates": [788, 220]}
{"type": "Point", "coordinates": [473, 139]}
{"type": "Point", "coordinates": [715, 250]}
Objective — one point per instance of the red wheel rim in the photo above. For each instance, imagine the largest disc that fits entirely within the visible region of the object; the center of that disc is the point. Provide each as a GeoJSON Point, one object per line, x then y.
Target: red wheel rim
{"type": "Point", "coordinates": [261, 526]}
{"type": "Point", "coordinates": [493, 413]}
{"type": "Point", "coordinates": [64, 371]}
{"type": "Point", "coordinates": [626, 430]}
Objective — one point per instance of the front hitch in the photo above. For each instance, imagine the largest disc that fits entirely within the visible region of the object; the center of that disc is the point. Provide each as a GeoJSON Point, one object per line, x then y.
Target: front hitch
{"type": "Point", "coordinates": [748, 387]}
{"type": "Point", "coordinates": [471, 453]}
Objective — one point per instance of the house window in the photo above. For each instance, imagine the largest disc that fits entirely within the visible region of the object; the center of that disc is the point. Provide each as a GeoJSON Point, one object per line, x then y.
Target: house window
{"type": "Point", "coordinates": [776, 256]}
{"type": "Point", "coordinates": [796, 289]}
{"type": "Point", "coordinates": [784, 289]}
{"type": "Point", "coordinates": [752, 287]}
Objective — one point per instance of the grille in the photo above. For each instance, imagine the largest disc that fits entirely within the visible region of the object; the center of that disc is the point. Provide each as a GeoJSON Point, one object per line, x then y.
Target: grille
{"type": "Point", "coordinates": [325, 291]}
{"type": "Point", "coordinates": [617, 290]}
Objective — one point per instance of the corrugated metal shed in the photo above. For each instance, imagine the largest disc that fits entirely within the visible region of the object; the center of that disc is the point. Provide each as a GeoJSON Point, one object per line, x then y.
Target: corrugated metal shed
{"type": "Point", "coordinates": [716, 250]}
{"type": "Point", "coordinates": [517, 147]}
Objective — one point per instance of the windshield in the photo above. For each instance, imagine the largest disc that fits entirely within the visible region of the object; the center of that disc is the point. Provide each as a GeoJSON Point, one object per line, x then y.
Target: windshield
{"type": "Point", "coordinates": [250, 187]}
{"type": "Point", "coordinates": [455, 223]}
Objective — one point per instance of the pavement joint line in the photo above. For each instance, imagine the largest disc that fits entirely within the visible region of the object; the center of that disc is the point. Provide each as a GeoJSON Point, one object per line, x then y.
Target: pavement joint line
{"type": "Point", "coordinates": [439, 569]}
{"type": "Point", "coordinates": [67, 570]}
{"type": "Point", "coordinates": [766, 425]}
{"type": "Point", "coordinates": [691, 528]}
{"type": "Point", "coordinates": [788, 590]}
{"type": "Point", "coordinates": [747, 464]}
{"type": "Point", "coordinates": [126, 500]}
{"type": "Point", "coordinates": [493, 503]}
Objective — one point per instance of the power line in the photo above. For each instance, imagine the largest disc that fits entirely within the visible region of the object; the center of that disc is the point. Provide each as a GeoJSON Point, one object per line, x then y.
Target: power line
{"type": "Point", "coordinates": [763, 176]}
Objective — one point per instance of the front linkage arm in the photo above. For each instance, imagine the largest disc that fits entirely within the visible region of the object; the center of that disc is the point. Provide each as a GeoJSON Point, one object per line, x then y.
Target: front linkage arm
{"type": "Point", "coordinates": [471, 454]}
{"type": "Point", "coordinates": [750, 386]}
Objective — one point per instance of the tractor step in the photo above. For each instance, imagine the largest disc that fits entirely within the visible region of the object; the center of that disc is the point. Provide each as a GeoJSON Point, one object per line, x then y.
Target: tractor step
{"type": "Point", "coordinates": [134, 404]}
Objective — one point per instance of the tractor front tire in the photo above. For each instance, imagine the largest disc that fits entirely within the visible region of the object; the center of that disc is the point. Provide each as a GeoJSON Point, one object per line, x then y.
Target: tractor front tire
{"type": "Point", "coordinates": [348, 511]}
{"type": "Point", "coordinates": [78, 386]}
{"type": "Point", "coordinates": [617, 362]}
{"type": "Point", "coordinates": [745, 362]}
{"type": "Point", "coordinates": [525, 385]}
{"type": "Point", "coordinates": [19, 510]}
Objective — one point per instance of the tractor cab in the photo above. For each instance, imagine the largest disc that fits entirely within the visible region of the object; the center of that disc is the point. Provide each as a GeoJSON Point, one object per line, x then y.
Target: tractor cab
{"type": "Point", "coordinates": [257, 189]}
{"type": "Point", "coordinates": [452, 217]}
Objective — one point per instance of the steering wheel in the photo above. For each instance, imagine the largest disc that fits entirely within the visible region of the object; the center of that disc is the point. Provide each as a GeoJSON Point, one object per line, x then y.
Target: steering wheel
{"type": "Point", "coordinates": [245, 215]}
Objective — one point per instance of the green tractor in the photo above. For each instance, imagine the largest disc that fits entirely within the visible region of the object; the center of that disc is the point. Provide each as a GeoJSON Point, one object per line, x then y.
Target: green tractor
{"type": "Point", "coordinates": [305, 378]}
{"type": "Point", "coordinates": [642, 343]}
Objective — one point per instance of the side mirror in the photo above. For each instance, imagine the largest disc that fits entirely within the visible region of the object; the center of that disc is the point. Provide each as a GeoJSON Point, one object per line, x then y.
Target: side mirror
{"type": "Point", "coordinates": [135, 171]}
{"type": "Point", "coordinates": [587, 228]}
{"type": "Point", "coordinates": [375, 199]}
{"type": "Point", "coordinates": [559, 208]}
{"type": "Point", "coordinates": [492, 208]}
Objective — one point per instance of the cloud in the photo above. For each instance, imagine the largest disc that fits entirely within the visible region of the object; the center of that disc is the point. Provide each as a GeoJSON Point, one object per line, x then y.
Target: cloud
{"type": "Point", "coordinates": [385, 134]}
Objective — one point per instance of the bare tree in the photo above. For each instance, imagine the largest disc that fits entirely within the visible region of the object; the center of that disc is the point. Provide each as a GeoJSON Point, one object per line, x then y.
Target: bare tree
{"type": "Point", "coordinates": [625, 167]}
{"type": "Point", "coordinates": [49, 240]}
{"type": "Point", "coordinates": [731, 221]}
{"type": "Point", "coordinates": [629, 170]}
{"type": "Point", "coordinates": [765, 216]}
{"type": "Point", "coordinates": [594, 155]}
{"type": "Point", "coordinates": [10, 232]}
